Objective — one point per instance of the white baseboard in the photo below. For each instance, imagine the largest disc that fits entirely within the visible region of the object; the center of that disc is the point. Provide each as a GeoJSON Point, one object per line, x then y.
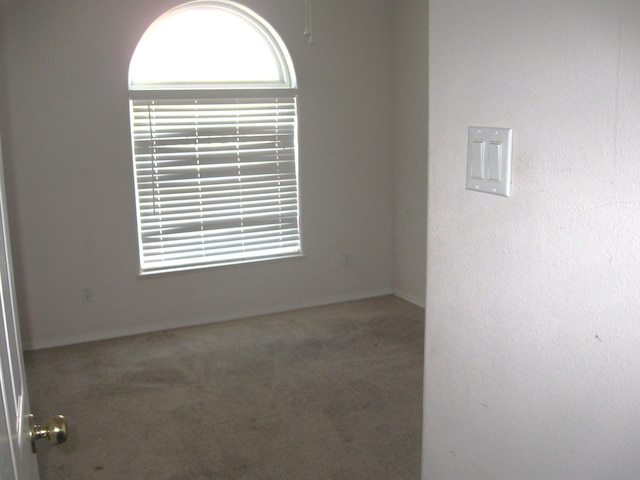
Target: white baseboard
{"type": "Point", "coordinates": [140, 329]}
{"type": "Point", "coordinates": [420, 302]}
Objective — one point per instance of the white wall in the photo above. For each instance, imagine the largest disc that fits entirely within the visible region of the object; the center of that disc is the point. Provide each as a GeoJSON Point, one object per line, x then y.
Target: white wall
{"type": "Point", "coordinates": [532, 306]}
{"type": "Point", "coordinates": [410, 104]}
{"type": "Point", "coordinates": [71, 189]}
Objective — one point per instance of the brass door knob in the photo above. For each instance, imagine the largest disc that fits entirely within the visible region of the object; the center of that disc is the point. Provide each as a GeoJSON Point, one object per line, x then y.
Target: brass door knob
{"type": "Point", "coordinates": [55, 430]}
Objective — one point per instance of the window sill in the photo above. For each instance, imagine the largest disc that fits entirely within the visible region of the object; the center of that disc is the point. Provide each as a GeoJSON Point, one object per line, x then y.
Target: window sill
{"type": "Point", "coordinates": [203, 266]}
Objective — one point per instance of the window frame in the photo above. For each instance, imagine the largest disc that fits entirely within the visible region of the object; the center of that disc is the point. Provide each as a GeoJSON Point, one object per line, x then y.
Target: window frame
{"type": "Point", "coordinates": [222, 92]}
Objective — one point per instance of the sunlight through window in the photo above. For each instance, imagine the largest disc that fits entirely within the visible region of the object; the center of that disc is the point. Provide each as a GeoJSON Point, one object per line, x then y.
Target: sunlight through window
{"type": "Point", "coordinates": [200, 43]}
{"type": "Point", "coordinates": [213, 104]}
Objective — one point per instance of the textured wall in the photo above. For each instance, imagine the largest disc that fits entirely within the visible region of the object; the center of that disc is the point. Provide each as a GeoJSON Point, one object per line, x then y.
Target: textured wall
{"type": "Point", "coordinates": [68, 160]}
{"type": "Point", "coordinates": [532, 305]}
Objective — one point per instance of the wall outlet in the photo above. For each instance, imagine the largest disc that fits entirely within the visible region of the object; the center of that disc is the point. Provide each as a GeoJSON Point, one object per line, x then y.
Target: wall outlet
{"type": "Point", "coordinates": [86, 293]}
{"type": "Point", "coordinates": [340, 260]}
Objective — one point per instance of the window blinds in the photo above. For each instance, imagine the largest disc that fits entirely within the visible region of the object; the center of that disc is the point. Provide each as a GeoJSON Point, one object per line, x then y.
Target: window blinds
{"type": "Point", "coordinates": [216, 180]}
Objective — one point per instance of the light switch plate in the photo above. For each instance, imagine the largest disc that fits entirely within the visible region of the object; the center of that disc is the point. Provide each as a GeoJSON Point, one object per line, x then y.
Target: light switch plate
{"type": "Point", "coordinates": [489, 160]}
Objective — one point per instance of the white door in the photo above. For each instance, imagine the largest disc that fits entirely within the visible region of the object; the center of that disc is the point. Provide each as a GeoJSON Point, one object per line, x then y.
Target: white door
{"type": "Point", "coordinates": [17, 461]}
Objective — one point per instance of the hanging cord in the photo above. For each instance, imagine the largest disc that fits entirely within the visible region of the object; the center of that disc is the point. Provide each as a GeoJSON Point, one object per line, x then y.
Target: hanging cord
{"type": "Point", "coordinates": [308, 28]}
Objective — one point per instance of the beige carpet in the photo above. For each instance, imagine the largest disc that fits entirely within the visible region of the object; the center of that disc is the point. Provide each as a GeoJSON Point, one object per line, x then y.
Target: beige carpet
{"type": "Point", "coordinates": [331, 392]}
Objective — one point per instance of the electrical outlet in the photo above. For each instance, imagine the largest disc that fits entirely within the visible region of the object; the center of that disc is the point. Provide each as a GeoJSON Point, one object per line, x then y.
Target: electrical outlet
{"type": "Point", "coordinates": [87, 294]}
{"type": "Point", "coordinates": [340, 260]}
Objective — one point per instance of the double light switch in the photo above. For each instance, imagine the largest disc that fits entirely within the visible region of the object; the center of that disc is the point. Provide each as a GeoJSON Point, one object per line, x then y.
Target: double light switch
{"type": "Point", "coordinates": [489, 160]}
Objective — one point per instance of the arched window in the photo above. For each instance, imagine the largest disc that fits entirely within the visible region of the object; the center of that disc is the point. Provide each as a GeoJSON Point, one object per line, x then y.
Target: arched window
{"type": "Point", "coordinates": [214, 130]}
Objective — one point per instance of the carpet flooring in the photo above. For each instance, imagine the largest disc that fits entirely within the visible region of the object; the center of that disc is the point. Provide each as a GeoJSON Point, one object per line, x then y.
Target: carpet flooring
{"type": "Point", "coordinates": [325, 393]}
